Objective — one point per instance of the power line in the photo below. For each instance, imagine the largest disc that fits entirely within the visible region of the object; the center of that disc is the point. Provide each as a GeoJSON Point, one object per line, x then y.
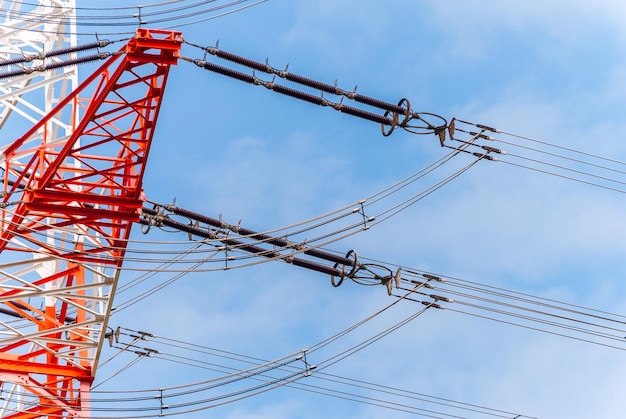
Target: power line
{"type": "Point", "coordinates": [542, 157]}
{"type": "Point", "coordinates": [127, 18]}
{"type": "Point", "coordinates": [330, 378]}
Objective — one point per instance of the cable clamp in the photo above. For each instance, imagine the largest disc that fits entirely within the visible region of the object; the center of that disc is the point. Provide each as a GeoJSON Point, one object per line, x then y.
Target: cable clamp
{"type": "Point", "coordinates": [8, 204]}
{"type": "Point", "coordinates": [351, 95]}
{"type": "Point", "coordinates": [337, 105]}
{"type": "Point", "coordinates": [268, 68]}
{"type": "Point", "coordinates": [308, 367]}
{"type": "Point", "coordinates": [422, 284]}
{"type": "Point", "coordinates": [338, 90]}
{"type": "Point", "coordinates": [440, 298]}
{"type": "Point", "coordinates": [433, 278]}
{"type": "Point", "coordinates": [282, 73]}
{"type": "Point", "coordinates": [198, 62]}
{"type": "Point", "coordinates": [366, 219]}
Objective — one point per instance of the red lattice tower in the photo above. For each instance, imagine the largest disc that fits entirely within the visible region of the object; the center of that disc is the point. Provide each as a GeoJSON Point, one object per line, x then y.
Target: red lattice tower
{"type": "Point", "coordinates": [68, 205]}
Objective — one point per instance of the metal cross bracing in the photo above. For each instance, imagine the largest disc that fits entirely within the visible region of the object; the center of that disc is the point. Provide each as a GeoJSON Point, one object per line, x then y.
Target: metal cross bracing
{"type": "Point", "coordinates": [30, 96]}
{"type": "Point", "coordinates": [68, 204]}
{"type": "Point", "coordinates": [72, 188]}
{"type": "Point", "coordinates": [29, 33]}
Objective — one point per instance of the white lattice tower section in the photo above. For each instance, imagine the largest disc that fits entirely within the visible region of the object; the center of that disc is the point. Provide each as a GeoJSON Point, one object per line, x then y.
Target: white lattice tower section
{"type": "Point", "coordinates": [28, 31]}
{"type": "Point", "coordinates": [68, 199]}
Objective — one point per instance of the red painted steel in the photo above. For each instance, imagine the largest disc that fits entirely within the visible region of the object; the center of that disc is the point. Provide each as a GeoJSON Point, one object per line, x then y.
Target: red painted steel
{"type": "Point", "coordinates": [71, 203]}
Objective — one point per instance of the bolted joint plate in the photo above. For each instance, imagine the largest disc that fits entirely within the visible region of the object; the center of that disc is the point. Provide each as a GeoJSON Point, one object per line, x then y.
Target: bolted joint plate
{"type": "Point", "coordinates": [155, 46]}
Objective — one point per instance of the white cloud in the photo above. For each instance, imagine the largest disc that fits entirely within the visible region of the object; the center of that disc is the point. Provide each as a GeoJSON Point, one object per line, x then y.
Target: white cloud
{"type": "Point", "coordinates": [496, 224]}
{"type": "Point", "coordinates": [548, 70]}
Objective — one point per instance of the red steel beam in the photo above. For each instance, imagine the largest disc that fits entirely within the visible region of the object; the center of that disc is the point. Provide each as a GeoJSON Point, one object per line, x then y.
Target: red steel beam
{"type": "Point", "coordinates": [75, 200]}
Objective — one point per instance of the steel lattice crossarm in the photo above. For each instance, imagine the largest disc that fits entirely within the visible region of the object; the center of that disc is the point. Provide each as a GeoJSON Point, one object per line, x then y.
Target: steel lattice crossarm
{"type": "Point", "coordinates": [70, 202]}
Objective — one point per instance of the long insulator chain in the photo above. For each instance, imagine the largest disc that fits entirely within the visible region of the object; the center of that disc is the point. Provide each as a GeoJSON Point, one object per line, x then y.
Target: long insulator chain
{"type": "Point", "coordinates": [486, 150]}
{"type": "Point", "coordinates": [345, 267]}
{"type": "Point", "coordinates": [398, 115]}
{"type": "Point", "coordinates": [265, 238]}
{"type": "Point", "coordinates": [297, 94]}
{"type": "Point", "coordinates": [324, 87]}
{"type": "Point", "coordinates": [152, 217]}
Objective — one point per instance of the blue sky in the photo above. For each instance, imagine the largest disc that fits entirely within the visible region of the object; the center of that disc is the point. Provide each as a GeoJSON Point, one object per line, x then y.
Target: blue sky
{"type": "Point", "coordinates": [546, 70]}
